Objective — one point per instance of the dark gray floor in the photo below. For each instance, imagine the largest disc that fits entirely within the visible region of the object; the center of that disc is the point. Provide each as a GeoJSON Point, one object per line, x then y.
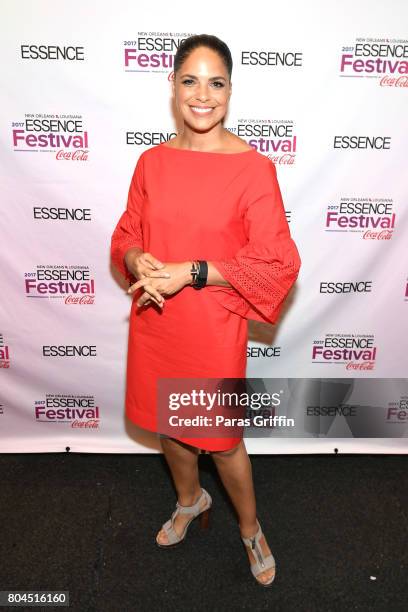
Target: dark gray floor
{"type": "Point", "coordinates": [86, 523]}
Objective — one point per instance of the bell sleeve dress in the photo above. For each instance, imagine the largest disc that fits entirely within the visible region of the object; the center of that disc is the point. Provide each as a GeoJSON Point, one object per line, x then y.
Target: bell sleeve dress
{"type": "Point", "coordinates": [226, 209]}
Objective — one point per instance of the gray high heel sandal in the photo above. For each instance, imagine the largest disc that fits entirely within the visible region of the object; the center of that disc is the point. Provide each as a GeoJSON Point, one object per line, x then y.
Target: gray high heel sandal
{"type": "Point", "coordinates": [195, 510]}
{"type": "Point", "coordinates": [262, 562]}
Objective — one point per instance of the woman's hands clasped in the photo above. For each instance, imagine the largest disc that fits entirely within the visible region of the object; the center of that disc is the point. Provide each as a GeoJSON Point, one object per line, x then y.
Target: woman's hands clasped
{"type": "Point", "coordinates": [156, 277]}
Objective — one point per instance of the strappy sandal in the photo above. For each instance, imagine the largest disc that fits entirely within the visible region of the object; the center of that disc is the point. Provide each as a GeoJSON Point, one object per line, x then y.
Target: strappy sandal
{"type": "Point", "coordinates": [195, 510]}
{"type": "Point", "coordinates": [262, 562]}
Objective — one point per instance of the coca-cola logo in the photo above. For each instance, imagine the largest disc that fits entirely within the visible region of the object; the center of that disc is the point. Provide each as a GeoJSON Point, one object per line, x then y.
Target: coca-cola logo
{"type": "Point", "coordinates": [83, 299]}
{"type": "Point", "coordinates": [368, 365]}
{"type": "Point", "coordinates": [78, 155]}
{"type": "Point", "coordinates": [388, 81]}
{"type": "Point", "coordinates": [287, 158]}
{"type": "Point", "coordinates": [383, 235]}
{"type": "Point", "coordinates": [92, 423]}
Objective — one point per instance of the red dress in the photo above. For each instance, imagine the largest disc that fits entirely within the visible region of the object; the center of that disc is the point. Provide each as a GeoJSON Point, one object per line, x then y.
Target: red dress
{"type": "Point", "coordinates": [227, 208]}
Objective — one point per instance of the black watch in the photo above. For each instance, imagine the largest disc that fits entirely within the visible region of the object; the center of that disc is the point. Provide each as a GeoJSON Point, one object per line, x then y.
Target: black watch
{"type": "Point", "coordinates": [199, 272]}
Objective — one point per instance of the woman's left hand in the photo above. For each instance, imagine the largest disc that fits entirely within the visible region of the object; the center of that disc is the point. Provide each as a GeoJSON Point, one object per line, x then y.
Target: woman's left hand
{"type": "Point", "coordinates": [179, 277]}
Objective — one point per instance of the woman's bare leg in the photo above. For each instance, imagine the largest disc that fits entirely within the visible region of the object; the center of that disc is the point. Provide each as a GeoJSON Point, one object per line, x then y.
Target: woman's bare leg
{"type": "Point", "coordinates": [235, 470]}
{"type": "Point", "coordinates": [182, 460]}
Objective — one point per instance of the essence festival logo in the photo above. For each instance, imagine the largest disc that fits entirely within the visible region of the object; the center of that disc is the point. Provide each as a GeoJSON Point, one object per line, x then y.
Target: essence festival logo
{"type": "Point", "coordinates": [63, 135]}
{"type": "Point", "coordinates": [354, 351]}
{"type": "Point", "coordinates": [382, 58]}
{"type": "Point", "coordinates": [4, 353]}
{"type": "Point", "coordinates": [397, 411]}
{"type": "Point", "coordinates": [285, 59]}
{"type": "Point", "coordinates": [72, 284]}
{"type": "Point", "coordinates": [76, 411]}
{"type": "Point", "coordinates": [151, 51]}
{"type": "Point", "coordinates": [371, 218]}
{"type": "Point", "coordinates": [52, 52]}
{"type": "Point", "coordinates": [274, 138]}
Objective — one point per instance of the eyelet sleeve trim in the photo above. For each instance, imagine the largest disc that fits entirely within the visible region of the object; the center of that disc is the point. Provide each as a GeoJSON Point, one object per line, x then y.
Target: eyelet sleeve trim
{"type": "Point", "coordinates": [262, 272]}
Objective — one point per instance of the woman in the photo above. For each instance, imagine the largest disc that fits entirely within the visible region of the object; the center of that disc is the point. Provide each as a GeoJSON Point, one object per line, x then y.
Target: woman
{"type": "Point", "coordinates": [205, 244]}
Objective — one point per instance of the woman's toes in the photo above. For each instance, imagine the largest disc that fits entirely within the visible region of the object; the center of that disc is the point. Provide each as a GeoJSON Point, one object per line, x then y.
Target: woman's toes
{"type": "Point", "coordinates": [162, 537]}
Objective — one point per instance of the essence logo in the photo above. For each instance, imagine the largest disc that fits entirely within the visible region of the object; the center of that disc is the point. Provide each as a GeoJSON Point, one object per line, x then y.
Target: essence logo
{"type": "Point", "coordinates": [346, 287]}
{"type": "Point", "coordinates": [384, 58]}
{"type": "Point", "coordinates": [147, 139]}
{"type": "Point", "coordinates": [73, 284]}
{"type": "Point", "coordinates": [51, 52]}
{"type": "Point", "coordinates": [362, 142]}
{"type": "Point", "coordinates": [397, 412]}
{"type": "Point", "coordinates": [78, 411]}
{"type": "Point", "coordinates": [44, 213]}
{"type": "Point", "coordinates": [67, 350]}
{"type": "Point", "coordinates": [355, 351]}
{"type": "Point", "coordinates": [373, 219]}
{"type": "Point", "coordinates": [63, 135]}
{"type": "Point", "coordinates": [276, 139]}
{"type": "Point", "coordinates": [151, 51]}
{"type": "Point", "coordinates": [267, 351]}
{"type": "Point", "coordinates": [345, 410]}
{"type": "Point", "coordinates": [287, 59]}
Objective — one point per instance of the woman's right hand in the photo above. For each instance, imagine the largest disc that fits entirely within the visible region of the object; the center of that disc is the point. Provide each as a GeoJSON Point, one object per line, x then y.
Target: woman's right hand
{"type": "Point", "coordinates": [142, 264]}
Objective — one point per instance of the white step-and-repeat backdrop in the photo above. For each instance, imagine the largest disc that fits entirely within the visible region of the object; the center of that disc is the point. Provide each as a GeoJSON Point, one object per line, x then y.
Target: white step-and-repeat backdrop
{"type": "Point", "coordinates": [321, 88]}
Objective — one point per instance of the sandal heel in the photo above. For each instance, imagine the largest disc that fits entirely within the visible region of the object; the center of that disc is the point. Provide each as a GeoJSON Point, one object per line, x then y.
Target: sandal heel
{"type": "Point", "coordinates": [205, 519]}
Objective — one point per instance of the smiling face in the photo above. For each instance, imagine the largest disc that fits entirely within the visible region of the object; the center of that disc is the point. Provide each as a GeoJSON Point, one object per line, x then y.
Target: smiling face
{"type": "Point", "coordinates": [202, 89]}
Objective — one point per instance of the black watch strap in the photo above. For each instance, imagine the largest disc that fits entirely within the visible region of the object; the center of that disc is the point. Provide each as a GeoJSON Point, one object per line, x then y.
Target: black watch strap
{"type": "Point", "coordinates": [200, 280]}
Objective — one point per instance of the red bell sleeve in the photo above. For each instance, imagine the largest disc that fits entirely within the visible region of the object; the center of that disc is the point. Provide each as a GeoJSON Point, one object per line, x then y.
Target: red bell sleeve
{"type": "Point", "coordinates": [264, 269]}
{"type": "Point", "coordinates": [128, 231]}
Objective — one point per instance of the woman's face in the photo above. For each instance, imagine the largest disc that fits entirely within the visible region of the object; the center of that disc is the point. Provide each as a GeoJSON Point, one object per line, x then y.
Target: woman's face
{"type": "Point", "coordinates": [202, 89]}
